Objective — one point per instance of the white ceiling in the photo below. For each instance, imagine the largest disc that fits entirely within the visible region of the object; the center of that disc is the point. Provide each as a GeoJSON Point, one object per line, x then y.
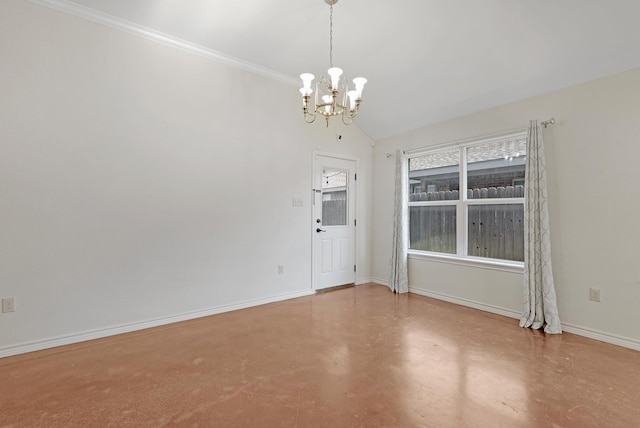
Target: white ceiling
{"type": "Point", "coordinates": [426, 60]}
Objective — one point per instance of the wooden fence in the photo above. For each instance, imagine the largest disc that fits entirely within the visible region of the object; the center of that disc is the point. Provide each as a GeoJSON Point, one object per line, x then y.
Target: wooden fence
{"type": "Point", "coordinates": [494, 231]}
{"type": "Point", "coordinates": [334, 212]}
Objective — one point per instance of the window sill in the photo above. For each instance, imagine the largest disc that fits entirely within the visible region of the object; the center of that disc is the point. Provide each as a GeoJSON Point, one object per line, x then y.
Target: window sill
{"type": "Point", "coordinates": [476, 262]}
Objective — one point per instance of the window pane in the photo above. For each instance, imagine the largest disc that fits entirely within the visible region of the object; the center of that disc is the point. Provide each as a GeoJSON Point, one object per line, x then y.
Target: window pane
{"type": "Point", "coordinates": [433, 228]}
{"type": "Point", "coordinates": [334, 197]}
{"type": "Point", "coordinates": [496, 231]}
{"type": "Point", "coordinates": [496, 169]}
{"type": "Point", "coordinates": [432, 176]}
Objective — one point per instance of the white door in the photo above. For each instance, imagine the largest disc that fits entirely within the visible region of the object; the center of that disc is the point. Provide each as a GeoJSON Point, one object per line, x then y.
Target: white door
{"type": "Point", "coordinates": [334, 222]}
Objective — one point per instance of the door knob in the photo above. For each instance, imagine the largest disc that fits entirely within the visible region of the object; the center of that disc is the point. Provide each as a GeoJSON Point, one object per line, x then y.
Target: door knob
{"type": "Point", "coordinates": [320, 230]}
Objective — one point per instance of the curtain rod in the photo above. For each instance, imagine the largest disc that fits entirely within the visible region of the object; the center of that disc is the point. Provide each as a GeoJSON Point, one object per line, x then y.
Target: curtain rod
{"type": "Point", "coordinates": [546, 123]}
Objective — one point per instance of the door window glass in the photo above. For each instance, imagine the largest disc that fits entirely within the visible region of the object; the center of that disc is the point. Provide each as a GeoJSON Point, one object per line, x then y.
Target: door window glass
{"type": "Point", "coordinates": [334, 197]}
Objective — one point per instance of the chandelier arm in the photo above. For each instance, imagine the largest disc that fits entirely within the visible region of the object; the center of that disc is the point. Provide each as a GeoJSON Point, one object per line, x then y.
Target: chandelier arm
{"type": "Point", "coordinates": [351, 113]}
{"type": "Point", "coordinates": [334, 101]}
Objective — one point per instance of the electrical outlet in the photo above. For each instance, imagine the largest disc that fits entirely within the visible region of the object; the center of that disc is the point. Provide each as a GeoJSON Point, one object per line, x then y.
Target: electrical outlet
{"type": "Point", "coordinates": [8, 304]}
{"type": "Point", "coordinates": [280, 270]}
{"type": "Point", "coordinates": [594, 294]}
{"type": "Point", "coordinates": [296, 201]}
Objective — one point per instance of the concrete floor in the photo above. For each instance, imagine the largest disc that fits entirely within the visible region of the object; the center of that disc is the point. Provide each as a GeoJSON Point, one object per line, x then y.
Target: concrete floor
{"type": "Point", "coordinates": [353, 357]}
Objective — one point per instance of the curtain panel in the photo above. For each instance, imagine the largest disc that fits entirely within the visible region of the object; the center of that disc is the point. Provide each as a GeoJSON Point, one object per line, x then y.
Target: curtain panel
{"type": "Point", "coordinates": [540, 305]}
{"type": "Point", "coordinates": [398, 281]}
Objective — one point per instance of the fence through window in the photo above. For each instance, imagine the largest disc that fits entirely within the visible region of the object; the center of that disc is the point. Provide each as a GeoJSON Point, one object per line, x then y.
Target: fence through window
{"type": "Point", "coordinates": [469, 200]}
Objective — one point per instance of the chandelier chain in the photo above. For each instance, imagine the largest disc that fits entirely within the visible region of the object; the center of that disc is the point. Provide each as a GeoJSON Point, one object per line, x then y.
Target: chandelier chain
{"type": "Point", "coordinates": [331, 36]}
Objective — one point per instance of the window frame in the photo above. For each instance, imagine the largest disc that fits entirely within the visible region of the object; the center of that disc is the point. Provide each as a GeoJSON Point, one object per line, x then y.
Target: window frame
{"type": "Point", "coordinates": [462, 203]}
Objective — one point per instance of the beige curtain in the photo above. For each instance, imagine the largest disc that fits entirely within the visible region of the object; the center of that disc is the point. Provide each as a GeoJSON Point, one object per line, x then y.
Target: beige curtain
{"type": "Point", "coordinates": [540, 306]}
{"type": "Point", "coordinates": [398, 281]}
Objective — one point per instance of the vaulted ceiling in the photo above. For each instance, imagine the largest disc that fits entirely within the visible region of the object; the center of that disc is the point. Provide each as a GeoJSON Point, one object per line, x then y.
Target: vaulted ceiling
{"type": "Point", "coordinates": [426, 60]}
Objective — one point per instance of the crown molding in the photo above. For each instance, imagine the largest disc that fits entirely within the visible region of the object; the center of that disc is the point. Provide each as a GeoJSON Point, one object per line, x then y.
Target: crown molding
{"type": "Point", "coordinates": [111, 21]}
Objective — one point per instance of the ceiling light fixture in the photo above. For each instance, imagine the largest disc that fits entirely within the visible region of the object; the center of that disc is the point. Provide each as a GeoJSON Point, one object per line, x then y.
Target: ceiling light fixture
{"type": "Point", "coordinates": [332, 94]}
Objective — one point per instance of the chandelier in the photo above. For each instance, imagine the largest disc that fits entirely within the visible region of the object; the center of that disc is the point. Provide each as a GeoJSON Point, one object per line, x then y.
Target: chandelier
{"type": "Point", "coordinates": [333, 97]}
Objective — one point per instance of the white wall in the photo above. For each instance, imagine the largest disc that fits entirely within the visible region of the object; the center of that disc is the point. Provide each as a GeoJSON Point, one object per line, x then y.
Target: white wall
{"type": "Point", "coordinates": [592, 158]}
{"type": "Point", "coordinates": [141, 184]}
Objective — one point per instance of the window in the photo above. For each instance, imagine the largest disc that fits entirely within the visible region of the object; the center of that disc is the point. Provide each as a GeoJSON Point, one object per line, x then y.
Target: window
{"type": "Point", "coordinates": [467, 199]}
{"type": "Point", "coordinates": [334, 197]}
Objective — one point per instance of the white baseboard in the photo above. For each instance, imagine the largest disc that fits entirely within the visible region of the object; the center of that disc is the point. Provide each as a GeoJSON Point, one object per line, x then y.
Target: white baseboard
{"type": "Point", "coordinates": [601, 336]}
{"type": "Point", "coordinates": [468, 303]}
{"type": "Point", "coordinates": [127, 328]}
{"type": "Point", "coordinates": [97, 334]}
{"type": "Point", "coordinates": [569, 328]}
{"type": "Point", "coordinates": [380, 281]}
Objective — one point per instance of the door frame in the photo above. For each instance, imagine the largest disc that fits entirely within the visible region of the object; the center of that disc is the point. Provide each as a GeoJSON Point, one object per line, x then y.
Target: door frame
{"type": "Point", "coordinates": [312, 217]}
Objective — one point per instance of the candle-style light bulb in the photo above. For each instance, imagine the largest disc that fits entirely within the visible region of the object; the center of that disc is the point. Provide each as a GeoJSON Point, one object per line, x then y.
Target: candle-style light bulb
{"type": "Point", "coordinates": [335, 74]}
{"type": "Point", "coordinates": [326, 99]}
{"type": "Point", "coordinates": [359, 82]}
{"type": "Point", "coordinates": [352, 99]}
{"type": "Point", "coordinates": [307, 78]}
